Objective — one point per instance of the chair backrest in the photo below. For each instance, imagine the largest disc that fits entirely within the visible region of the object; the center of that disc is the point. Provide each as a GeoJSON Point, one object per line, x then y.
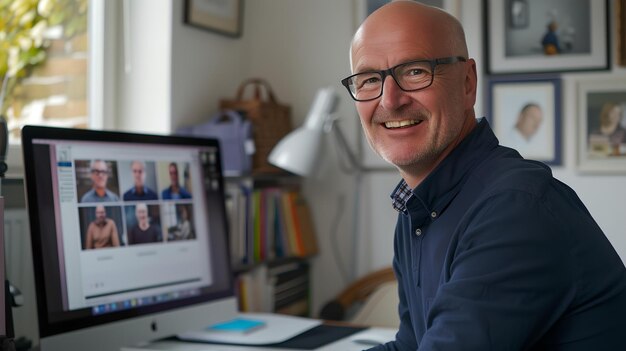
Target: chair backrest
{"type": "Point", "coordinates": [380, 308]}
{"type": "Point", "coordinates": [371, 300]}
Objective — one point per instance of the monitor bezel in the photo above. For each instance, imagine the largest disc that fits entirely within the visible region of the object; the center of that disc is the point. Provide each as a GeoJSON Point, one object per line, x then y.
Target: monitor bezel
{"type": "Point", "coordinates": [49, 328]}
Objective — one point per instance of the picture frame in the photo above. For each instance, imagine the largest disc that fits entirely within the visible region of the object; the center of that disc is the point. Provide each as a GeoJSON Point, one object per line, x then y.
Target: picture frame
{"type": "Point", "coordinates": [219, 16]}
{"type": "Point", "coordinates": [621, 32]}
{"type": "Point", "coordinates": [525, 114]}
{"type": "Point", "coordinates": [528, 36]}
{"type": "Point", "coordinates": [602, 125]}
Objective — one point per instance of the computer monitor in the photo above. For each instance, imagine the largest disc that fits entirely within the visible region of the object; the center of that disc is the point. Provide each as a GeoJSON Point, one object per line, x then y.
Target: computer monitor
{"type": "Point", "coordinates": [3, 306]}
{"type": "Point", "coordinates": [129, 236]}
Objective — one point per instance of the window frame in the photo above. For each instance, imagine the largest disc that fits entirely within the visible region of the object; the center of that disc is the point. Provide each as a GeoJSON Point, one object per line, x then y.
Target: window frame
{"type": "Point", "coordinates": [101, 17]}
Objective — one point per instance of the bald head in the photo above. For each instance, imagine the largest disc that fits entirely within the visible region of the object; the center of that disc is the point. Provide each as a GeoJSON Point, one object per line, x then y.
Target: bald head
{"type": "Point", "coordinates": [436, 31]}
{"type": "Point", "coordinates": [415, 58]}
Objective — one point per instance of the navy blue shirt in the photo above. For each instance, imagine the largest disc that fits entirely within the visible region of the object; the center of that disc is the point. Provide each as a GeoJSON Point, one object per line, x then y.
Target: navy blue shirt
{"type": "Point", "coordinates": [147, 194]}
{"type": "Point", "coordinates": [492, 253]}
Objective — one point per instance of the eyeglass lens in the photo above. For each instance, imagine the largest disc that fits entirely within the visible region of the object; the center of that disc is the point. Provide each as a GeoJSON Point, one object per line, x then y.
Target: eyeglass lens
{"type": "Point", "coordinates": [409, 76]}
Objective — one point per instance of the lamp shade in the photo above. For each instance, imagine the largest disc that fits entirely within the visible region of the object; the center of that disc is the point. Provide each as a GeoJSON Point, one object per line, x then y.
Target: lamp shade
{"type": "Point", "coordinates": [298, 151]}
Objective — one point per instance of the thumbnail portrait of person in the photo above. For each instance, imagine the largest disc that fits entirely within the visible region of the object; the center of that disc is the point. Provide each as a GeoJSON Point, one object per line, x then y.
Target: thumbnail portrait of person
{"type": "Point", "coordinates": [180, 222]}
{"type": "Point", "coordinates": [97, 181]}
{"type": "Point", "coordinates": [101, 227]}
{"type": "Point", "coordinates": [143, 224]}
{"type": "Point", "coordinates": [175, 190]}
{"type": "Point", "coordinates": [139, 178]}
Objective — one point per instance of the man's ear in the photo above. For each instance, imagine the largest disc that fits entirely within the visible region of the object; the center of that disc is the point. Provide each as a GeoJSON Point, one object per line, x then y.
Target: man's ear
{"type": "Point", "coordinates": [471, 82]}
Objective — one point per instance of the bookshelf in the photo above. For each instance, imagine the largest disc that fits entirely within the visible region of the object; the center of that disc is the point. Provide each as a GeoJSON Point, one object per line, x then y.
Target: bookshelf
{"type": "Point", "coordinates": [271, 239]}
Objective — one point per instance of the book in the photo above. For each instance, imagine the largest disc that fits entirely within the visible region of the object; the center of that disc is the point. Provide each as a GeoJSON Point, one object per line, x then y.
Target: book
{"type": "Point", "coordinates": [289, 225]}
{"type": "Point", "coordinates": [297, 226]}
{"type": "Point", "coordinates": [307, 230]}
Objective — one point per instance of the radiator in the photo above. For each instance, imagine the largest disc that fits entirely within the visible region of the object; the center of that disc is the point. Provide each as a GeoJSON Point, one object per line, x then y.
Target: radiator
{"type": "Point", "coordinates": [19, 271]}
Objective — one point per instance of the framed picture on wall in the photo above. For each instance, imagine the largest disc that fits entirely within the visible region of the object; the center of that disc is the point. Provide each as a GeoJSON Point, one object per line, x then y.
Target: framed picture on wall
{"type": "Point", "coordinates": [220, 16]}
{"type": "Point", "coordinates": [602, 125]}
{"type": "Point", "coordinates": [621, 32]}
{"type": "Point", "coordinates": [525, 114]}
{"type": "Point", "coordinates": [526, 36]}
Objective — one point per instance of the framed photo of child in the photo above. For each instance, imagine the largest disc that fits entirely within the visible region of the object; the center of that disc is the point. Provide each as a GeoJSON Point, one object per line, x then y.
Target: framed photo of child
{"type": "Point", "coordinates": [528, 36]}
{"type": "Point", "coordinates": [602, 125]}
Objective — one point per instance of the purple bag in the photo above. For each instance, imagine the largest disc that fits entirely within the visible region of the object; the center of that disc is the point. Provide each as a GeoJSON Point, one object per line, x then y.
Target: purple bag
{"type": "Point", "coordinates": [235, 137]}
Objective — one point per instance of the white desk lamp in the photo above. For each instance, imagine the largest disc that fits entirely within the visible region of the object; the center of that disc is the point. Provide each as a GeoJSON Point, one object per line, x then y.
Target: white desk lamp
{"type": "Point", "coordinates": [298, 152]}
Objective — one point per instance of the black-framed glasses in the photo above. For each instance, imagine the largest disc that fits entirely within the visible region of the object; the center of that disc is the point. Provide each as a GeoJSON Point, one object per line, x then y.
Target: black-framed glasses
{"type": "Point", "coordinates": [410, 76]}
{"type": "Point", "coordinates": [99, 171]}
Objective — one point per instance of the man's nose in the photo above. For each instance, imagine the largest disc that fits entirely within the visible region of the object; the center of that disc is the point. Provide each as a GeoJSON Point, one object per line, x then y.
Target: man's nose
{"type": "Point", "coordinates": [393, 96]}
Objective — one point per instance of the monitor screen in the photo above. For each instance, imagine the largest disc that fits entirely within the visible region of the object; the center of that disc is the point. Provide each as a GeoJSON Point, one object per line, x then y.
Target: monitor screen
{"type": "Point", "coordinates": [129, 235]}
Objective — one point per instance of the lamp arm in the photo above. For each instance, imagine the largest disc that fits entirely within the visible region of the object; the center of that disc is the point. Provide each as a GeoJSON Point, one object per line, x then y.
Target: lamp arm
{"type": "Point", "coordinates": [355, 164]}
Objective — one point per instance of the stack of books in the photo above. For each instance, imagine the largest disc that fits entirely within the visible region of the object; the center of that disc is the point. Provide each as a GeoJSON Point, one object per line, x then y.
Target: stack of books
{"type": "Point", "coordinates": [279, 288]}
{"type": "Point", "coordinates": [267, 224]}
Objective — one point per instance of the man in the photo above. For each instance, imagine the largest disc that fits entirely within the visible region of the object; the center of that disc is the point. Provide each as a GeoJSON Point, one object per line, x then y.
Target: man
{"type": "Point", "coordinates": [175, 191]}
{"type": "Point", "coordinates": [102, 232]}
{"type": "Point", "coordinates": [490, 251]}
{"type": "Point", "coordinates": [143, 232]}
{"type": "Point", "coordinates": [99, 176]}
{"type": "Point", "coordinates": [139, 191]}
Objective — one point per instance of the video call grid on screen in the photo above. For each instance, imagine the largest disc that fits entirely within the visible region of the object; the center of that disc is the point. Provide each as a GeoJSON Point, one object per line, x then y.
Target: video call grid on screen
{"type": "Point", "coordinates": [148, 229]}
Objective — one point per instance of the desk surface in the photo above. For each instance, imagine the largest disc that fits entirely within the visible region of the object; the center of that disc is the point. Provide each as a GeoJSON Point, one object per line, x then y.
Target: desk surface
{"type": "Point", "coordinates": [345, 344]}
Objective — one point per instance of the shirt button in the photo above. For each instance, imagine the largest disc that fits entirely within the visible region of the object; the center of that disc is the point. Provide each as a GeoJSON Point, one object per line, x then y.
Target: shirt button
{"type": "Point", "coordinates": [433, 214]}
{"type": "Point", "coordinates": [418, 232]}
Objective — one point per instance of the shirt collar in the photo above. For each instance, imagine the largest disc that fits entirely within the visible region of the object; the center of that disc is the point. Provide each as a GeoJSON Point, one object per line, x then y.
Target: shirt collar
{"type": "Point", "coordinates": [400, 196]}
{"type": "Point", "coordinates": [443, 183]}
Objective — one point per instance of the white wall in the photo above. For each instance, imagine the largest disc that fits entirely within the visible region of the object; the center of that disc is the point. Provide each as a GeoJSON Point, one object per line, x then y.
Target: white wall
{"type": "Point", "coordinates": [205, 67]}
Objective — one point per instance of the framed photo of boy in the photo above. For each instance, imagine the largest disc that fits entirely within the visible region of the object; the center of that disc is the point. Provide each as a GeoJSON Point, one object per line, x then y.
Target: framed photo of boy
{"type": "Point", "coordinates": [535, 36]}
{"type": "Point", "coordinates": [220, 16]}
{"type": "Point", "coordinates": [525, 114]}
{"type": "Point", "coordinates": [602, 125]}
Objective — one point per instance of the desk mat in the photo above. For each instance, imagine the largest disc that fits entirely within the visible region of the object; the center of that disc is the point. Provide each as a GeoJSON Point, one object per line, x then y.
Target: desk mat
{"type": "Point", "coordinates": [311, 339]}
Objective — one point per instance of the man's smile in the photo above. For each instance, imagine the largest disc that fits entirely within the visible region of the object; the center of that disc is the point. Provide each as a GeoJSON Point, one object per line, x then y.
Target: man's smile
{"type": "Point", "coordinates": [401, 124]}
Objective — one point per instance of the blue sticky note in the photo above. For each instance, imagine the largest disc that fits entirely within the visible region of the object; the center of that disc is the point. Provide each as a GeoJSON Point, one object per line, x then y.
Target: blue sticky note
{"type": "Point", "coordinates": [240, 325]}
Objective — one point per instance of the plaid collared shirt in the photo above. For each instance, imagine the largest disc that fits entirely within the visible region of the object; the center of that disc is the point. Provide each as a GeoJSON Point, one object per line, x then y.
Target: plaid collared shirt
{"type": "Point", "coordinates": [400, 196]}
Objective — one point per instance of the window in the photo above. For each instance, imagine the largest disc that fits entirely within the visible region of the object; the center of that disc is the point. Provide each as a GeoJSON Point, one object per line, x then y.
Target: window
{"type": "Point", "coordinates": [44, 63]}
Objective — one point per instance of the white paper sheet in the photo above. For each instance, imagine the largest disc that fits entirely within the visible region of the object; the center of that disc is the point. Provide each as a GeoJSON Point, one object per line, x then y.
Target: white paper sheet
{"type": "Point", "coordinates": [278, 328]}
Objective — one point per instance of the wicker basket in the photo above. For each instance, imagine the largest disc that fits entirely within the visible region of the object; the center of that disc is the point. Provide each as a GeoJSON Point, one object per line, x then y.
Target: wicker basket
{"type": "Point", "coordinates": [270, 120]}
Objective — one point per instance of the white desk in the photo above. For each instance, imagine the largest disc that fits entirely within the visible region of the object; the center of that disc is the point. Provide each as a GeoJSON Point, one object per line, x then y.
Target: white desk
{"type": "Point", "coordinates": [345, 344]}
